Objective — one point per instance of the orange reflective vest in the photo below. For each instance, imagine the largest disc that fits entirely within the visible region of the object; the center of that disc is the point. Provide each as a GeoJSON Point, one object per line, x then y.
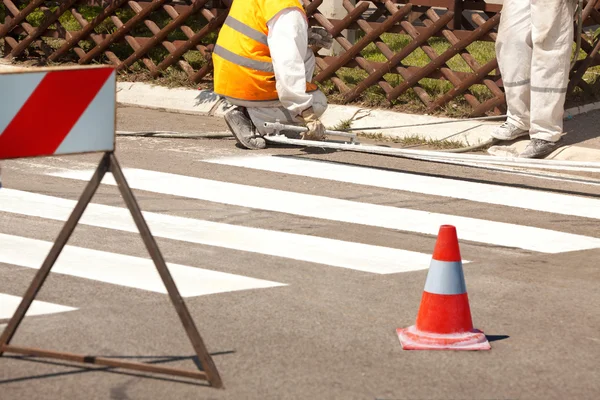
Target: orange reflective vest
{"type": "Point", "coordinates": [242, 61]}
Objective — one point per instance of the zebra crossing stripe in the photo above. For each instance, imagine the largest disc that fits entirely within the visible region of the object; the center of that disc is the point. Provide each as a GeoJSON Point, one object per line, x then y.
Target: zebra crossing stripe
{"type": "Point", "coordinates": [337, 253]}
{"type": "Point", "coordinates": [123, 270]}
{"type": "Point", "coordinates": [9, 304]}
{"type": "Point", "coordinates": [326, 208]}
{"type": "Point", "coordinates": [446, 187]}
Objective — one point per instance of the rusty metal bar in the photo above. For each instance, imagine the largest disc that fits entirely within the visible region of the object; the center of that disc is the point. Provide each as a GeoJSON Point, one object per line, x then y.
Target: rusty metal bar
{"type": "Point", "coordinates": [193, 41]}
{"type": "Point", "coordinates": [59, 244]}
{"type": "Point", "coordinates": [162, 34]}
{"type": "Point", "coordinates": [588, 61]}
{"type": "Point", "coordinates": [444, 69]}
{"type": "Point", "coordinates": [96, 38]}
{"type": "Point", "coordinates": [472, 63]}
{"type": "Point", "coordinates": [389, 53]}
{"type": "Point", "coordinates": [86, 29]}
{"type": "Point", "coordinates": [461, 33]}
{"type": "Point", "coordinates": [488, 105]}
{"type": "Point", "coordinates": [312, 6]}
{"type": "Point", "coordinates": [364, 42]}
{"type": "Point", "coordinates": [202, 72]}
{"type": "Point", "coordinates": [585, 65]}
{"type": "Point", "coordinates": [589, 7]}
{"type": "Point", "coordinates": [110, 362]}
{"type": "Point", "coordinates": [23, 28]}
{"type": "Point", "coordinates": [171, 46]}
{"type": "Point", "coordinates": [352, 16]}
{"type": "Point", "coordinates": [133, 43]}
{"type": "Point", "coordinates": [40, 29]}
{"type": "Point", "coordinates": [18, 15]}
{"type": "Point", "coordinates": [397, 59]}
{"type": "Point", "coordinates": [187, 31]}
{"type": "Point", "coordinates": [188, 323]}
{"type": "Point", "coordinates": [457, 8]}
{"type": "Point", "coordinates": [346, 45]}
{"type": "Point", "coordinates": [465, 85]}
{"type": "Point", "coordinates": [444, 57]}
{"type": "Point", "coordinates": [121, 32]}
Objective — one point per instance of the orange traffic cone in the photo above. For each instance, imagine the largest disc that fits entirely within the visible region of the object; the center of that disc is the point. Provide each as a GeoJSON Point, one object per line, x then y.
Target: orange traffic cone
{"type": "Point", "coordinates": [444, 319]}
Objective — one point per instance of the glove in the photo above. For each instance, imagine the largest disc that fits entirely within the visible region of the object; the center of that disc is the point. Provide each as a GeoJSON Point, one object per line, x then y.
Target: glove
{"type": "Point", "coordinates": [316, 129]}
{"type": "Point", "coordinates": [318, 36]}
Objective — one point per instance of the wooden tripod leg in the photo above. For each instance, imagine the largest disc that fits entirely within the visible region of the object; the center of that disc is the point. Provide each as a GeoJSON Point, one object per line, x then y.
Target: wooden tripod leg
{"type": "Point", "coordinates": [186, 319]}
{"type": "Point", "coordinates": [59, 244]}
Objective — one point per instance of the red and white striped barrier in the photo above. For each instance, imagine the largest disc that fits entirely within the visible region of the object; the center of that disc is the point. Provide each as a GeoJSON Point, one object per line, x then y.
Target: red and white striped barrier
{"type": "Point", "coordinates": [67, 111]}
{"type": "Point", "coordinates": [57, 111]}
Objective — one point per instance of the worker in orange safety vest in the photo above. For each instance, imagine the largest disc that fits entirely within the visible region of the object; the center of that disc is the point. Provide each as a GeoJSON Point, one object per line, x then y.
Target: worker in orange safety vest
{"type": "Point", "coordinates": [263, 66]}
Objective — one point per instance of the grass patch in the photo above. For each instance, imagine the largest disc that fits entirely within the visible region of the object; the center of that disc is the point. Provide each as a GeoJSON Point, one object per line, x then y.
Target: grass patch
{"type": "Point", "coordinates": [342, 126]}
{"type": "Point", "coordinates": [414, 141]}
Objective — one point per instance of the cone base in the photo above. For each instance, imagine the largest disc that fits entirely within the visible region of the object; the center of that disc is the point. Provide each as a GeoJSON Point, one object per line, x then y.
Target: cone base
{"type": "Point", "coordinates": [413, 339]}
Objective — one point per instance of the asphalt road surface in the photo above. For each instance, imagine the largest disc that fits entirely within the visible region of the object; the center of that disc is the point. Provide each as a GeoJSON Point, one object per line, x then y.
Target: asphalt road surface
{"type": "Point", "coordinates": [297, 265]}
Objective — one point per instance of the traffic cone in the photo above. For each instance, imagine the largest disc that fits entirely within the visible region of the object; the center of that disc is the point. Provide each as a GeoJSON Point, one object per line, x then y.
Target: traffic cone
{"type": "Point", "coordinates": [444, 318]}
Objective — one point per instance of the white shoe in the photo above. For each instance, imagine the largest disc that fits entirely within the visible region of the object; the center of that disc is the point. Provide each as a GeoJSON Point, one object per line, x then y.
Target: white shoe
{"type": "Point", "coordinates": [508, 131]}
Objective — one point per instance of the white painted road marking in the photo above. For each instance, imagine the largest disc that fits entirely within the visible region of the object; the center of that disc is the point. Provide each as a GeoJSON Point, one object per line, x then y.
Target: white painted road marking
{"type": "Point", "coordinates": [9, 304]}
{"type": "Point", "coordinates": [350, 255]}
{"type": "Point", "coordinates": [446, 187]}
{"type": "Point", "coordinates": [472, 229]}
{"type": "Point", "coordinates": [118, 269]}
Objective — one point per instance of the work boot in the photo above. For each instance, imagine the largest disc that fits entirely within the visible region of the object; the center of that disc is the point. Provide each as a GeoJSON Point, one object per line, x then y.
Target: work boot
{"type": "Point", "coordinates": [508, 131]}
{"type": "Point", "coordinates": [243, 129]}
{"type": "Point", "coordinates": [538, 148]}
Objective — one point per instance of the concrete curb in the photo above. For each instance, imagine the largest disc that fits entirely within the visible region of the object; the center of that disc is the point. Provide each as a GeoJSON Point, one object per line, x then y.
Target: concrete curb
{"type": "Point", "coordinates": [205, 102]}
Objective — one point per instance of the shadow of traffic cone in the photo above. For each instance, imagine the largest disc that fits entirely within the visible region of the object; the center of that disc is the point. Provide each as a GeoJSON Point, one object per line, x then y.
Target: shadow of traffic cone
{"type": "Point", "coordinates": [444, 318]}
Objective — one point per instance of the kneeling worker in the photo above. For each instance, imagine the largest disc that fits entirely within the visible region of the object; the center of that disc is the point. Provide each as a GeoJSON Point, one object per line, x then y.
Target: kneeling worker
{"type": "Point", "coordinates": [263, 66]}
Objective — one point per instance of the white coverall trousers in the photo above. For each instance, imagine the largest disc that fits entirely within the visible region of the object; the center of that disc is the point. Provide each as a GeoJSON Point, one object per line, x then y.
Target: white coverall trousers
{"type": "Point", "coordinates": [273, 111]}
{"type": "Point", "coordinates": [534, 48]}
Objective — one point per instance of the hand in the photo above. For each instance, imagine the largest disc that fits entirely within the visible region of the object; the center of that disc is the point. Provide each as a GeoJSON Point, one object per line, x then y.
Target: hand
{"type": "Point", "coordinates": [318, 36]}
{"type": "Point", "coordinates": [316, 129]}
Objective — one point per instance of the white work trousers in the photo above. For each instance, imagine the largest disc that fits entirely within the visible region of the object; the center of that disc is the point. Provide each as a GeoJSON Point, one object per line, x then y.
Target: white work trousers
{"type": "Point", "coordinates": [534, 47]}
{"type": "Point", "coordinates": [274, 111]}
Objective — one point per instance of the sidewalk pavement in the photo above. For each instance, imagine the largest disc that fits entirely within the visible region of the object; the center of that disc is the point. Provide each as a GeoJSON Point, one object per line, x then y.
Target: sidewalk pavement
{"type": "Point", "coordinates": [583, 144]}
{"type": "Point", "coordinates": [204, 102]}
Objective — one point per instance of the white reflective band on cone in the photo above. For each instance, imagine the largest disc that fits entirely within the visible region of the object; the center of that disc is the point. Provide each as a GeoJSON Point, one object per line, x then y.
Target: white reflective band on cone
{"type": "Point", "coordinates": [445, 277]}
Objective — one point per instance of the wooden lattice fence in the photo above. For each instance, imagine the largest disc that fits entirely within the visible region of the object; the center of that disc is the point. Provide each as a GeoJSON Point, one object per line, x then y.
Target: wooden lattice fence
{"type": "Point", "coordinates": [164, 34]}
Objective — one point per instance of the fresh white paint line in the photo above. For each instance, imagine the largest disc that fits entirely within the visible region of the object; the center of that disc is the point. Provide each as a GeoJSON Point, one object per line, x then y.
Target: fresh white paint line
{"type": "Point", "coordinates": [480, 192]}
{"type": "Point", "coordinates": [9, 304]}
{"type": "Point", "coordinates": [118, 269]}
{"type": "Point", "coordinates": [350, 255]}
{"type": "Point", "coordinates": [471, 229]}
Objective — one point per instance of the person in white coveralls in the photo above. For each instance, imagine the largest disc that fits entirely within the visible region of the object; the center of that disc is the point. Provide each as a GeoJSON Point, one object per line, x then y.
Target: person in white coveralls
{"type": "Point", "coordinates": [534, 47]}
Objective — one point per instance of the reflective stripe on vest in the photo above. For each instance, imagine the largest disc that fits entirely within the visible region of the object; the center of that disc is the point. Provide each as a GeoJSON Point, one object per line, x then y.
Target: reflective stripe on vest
{"type": "Point", "coordinates": [241, 58]}
{"type": "Point", "coordinates": [243, 61]}
{"type": "Point", "coordinates": [246, 30]}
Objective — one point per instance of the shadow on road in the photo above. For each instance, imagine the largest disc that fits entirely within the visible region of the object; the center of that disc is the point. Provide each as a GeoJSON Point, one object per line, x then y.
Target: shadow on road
{"type": "Point", "coordinates": [495, 338]}
{"type": "Point", "coordinates": [583, 128]}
